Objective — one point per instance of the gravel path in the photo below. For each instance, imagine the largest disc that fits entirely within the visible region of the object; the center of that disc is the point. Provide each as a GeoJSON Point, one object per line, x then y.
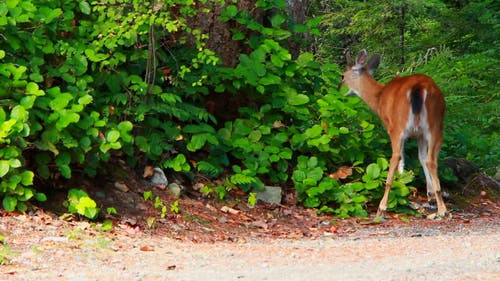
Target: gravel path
{"type": "Point", "coordinates": [470, 254]}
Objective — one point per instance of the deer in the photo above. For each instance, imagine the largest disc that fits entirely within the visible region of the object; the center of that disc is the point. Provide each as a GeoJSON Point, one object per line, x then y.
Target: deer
{"type": "Point", "coordinates": [409, 106]}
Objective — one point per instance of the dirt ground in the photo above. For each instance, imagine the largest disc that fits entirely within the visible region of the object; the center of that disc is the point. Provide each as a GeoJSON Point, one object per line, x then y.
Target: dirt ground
{"type": "Point", "coordinates": [209, 239]}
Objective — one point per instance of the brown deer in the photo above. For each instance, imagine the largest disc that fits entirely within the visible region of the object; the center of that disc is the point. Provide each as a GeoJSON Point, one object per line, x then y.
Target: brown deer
{"type": "Point", "coordinates": [410, 106]}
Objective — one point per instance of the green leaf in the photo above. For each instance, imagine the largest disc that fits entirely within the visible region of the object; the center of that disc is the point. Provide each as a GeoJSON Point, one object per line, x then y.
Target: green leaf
{"type": "Point", "coordinates": [19, 113]}
{"type": "Point", "coordinates": [60, 101]}
{"type": "Point", "coordinates": [371, 185]}
{"type": "Point", "coordinates": [197, 142]}
{"type": "Point", "coordinates": [11, 4]}
{"type": "Point", "coordinates": [62, 161]}
{"type": "Point", "coordinates": [84, 7]}
{"type": "Point", "coordinates": [178, 164]}
{"type": "Point", "coordinates": [344, 130]}
{"type": "Point", "coordinates": [4, 167]}
{"type": "Point", "coordinates": [286, 153]}
{"type": "Point", "coordinates": [299, 175]}
{"type": "Point", "coordinates": [112, 136]}
{"type": "Point", "coordinates": [85, 100]}
{"type": "Point", "coordinates": [312, 202]}
{"type": "Point", "coordinates": [277, 61]}
{"type": "Point", "coordinates": [406, 177]}
{"type": "Point", "coordinates": [27, 195]}
{"type": "Point", "coordinates": [91, 212]}
{"type": "Point", "coordinates": [15, 163]}
{"type": "Point", "coordinates": [40, 197]}
{"type": "Point", "coordinates": [312, 162]}
{"type": "Point", "coordinates": [147, 195]}
{"type": "Point", "coordinates": [242, 179]}
{"type": "Point", "coordinates": [237, 35]}
{"type": "Point", "coordinates": [22, 207]}
{"type": "Point", "coordinates": [27, 178]}
{"type": "Point", "coordinates": [373, 171]}
{"type": "Point", "coordinates": [95, 57]}
{"type": "Point", "coordinates": [277, 20]}
{"type": "Point", "coordinates": [65, 171]}
{"type": "Point", "coordinates": [383, 163]}
{"type": "Point", "coordinates": [270, 79]}
{"type": "Point", "coordinates": [230, 11]}
{"type": "Point", "coordinates": [125, 126]}
{"type": "Point", "coordinates": [313, 132]}
{"type": "Point", "coordinates": [298, 99]}
{"type": "Point", "coordinates": [359, 199]}
{"type": "Point", "coordinates": [28, 102]}
{"type": "Point", "coordinates": [9, 203]}
{"type": "Point", "coordinates": [304, 59]}
{"type": "Point", "coordinates": [107, 225]}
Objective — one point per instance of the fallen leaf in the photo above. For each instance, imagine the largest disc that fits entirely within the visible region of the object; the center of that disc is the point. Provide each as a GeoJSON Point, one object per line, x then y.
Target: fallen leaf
{"type": "Point", "coordinates": [278, 124]}
{"type": "Point", "coordinates": [211, 208]}
{"type": "Point", "coordinates": [147, 248]}
{"type": "Point", "coordinates": [226, 209]}
{"type": "Point", "coordinates": [148, 171]}
{"type": "Point", "coordinates": [342, 173]}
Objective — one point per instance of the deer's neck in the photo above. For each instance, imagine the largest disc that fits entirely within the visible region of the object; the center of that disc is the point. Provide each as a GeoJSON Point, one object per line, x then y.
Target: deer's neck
{"type": "Point", "coordinates": [371, 94]}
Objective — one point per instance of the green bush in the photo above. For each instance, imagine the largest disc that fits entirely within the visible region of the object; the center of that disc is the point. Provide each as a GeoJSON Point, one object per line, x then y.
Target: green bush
{"type": "Point", "coordinates": [46, 111]}
{"type": "Point", "coordinates": [80, 203]}
{"type": "Point", "coordinates": [82, 82]}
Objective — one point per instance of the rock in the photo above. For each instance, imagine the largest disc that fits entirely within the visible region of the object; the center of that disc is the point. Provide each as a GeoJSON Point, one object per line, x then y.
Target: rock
{"type": "Point", "coordinates": [100, 195]}
{"type": "Point", "coordinates": [132, 221]}
{"type": "Point", "coordinates": [122, 186]}
{"type": "Point", "coordinates": [55, 239]}
{"type": "Point", "coordinates": [141, 206]}
{"type": "Point", "coordinates": [270, 194]}
{"type": "Point", "coordinates": [159, 177]}
{"type": "Point", "coordinates": [198, 186]}
{"type": "Point", "coordinates": [177, 227]}
{"type": "Point", "coordinates": [175, 189]}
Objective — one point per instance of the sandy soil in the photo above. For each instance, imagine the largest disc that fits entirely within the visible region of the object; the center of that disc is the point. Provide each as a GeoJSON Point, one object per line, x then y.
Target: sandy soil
{"type": "Point", "coordinates": [42, 247]}
{"type": "Point", "coordinates": [210, 239]}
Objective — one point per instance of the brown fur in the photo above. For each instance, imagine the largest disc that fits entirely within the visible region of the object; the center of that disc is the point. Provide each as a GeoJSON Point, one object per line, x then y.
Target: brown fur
{"type": "Point", "coordinates": [392, 103]}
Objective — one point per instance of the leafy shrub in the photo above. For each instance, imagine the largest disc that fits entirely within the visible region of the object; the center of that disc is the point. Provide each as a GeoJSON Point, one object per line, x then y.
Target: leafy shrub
{"type": "Point", "coordinates": [86, 82]}
{"type": "Point", "coordinates": [350, 198]}
{"type": "Point", "coordinates": [45, 105]}
{"type": "Point", "coordinates": [80, 203]}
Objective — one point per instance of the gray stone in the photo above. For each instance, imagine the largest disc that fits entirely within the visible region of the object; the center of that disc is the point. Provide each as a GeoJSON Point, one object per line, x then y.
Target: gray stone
{"type": "Point", "coordinates": [100, 194]}
{"type": "Point", "coordinates": [175, 189]}
{"type": "Point", "coordinates": [270, 194]}
{"type": "Point", "coordinates": [159, 177]}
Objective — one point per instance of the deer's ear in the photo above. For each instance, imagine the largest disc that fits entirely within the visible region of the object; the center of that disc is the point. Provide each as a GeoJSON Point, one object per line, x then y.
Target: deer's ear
{"type": "Point", "coordinates": [373, 63]}
{"type": "Point", "coordinates": [361, 58]}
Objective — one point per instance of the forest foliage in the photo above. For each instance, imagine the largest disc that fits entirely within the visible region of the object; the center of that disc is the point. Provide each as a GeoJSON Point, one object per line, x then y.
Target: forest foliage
{"type": "Point", "coordinates": [82, 82]}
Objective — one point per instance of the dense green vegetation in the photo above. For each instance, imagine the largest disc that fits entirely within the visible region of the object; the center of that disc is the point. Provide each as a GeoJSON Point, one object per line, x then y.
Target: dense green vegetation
{"type": "Point", "coordinates": [82, 82]}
